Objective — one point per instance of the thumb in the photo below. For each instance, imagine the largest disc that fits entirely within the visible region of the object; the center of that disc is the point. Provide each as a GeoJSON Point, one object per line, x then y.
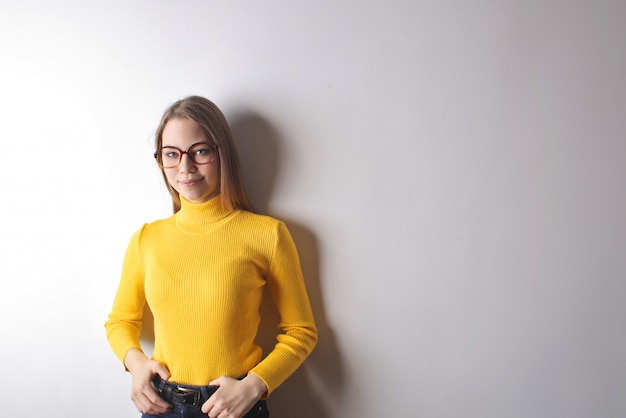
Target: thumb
{"type": "Point", "coordinates": [162, 371]}
{"type": "Point", "coordinates": [216, 382]}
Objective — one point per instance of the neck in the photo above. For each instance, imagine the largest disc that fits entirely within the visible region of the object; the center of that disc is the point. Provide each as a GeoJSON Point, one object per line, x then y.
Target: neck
{"type": "Point", "coordinates": [193, 215]}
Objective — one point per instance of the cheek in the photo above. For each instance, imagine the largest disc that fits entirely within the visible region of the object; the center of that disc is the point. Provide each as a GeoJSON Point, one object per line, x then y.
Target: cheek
{"type": "Point", "coordinates": [210, 171]}
{"type": "Point", "coordinates": [170, 176]}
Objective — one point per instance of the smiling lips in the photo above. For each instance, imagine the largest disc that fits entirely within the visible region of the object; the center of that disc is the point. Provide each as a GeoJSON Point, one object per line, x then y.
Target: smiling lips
{"type": "Point", "coordinates": [189, 183]}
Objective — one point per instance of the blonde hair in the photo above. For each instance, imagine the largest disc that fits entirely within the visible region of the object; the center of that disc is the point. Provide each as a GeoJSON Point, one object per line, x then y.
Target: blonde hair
{"type": "Point", "coordinates": [216, 130]}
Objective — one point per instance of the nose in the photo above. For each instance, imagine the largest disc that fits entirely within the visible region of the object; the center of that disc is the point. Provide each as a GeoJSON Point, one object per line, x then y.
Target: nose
{"type": "Point", "coordinates": [186, 164]}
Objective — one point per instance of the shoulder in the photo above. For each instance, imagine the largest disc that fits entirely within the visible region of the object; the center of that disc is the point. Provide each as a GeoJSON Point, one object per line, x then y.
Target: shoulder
{"type": "Point", "coordinates": [256, 225]}
{"type": "Point", "coordinates": [255, 218]}
{"type": "Point", "coordinates": [157, 227]}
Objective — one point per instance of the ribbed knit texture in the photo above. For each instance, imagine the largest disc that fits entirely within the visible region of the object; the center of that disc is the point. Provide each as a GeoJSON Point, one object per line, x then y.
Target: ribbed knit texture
{"type": "Point", "coordinates": [202, 272]}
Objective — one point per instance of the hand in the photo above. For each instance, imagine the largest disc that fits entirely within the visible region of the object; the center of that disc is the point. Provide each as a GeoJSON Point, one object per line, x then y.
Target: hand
{"type": "Point", "coordinates": [142, 370]}
{"type": "Point", "coordinates": [234, 398]}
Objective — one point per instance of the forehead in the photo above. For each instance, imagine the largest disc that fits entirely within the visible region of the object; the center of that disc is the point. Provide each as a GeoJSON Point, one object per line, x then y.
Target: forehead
{"type": "Point", "coordinates": [182, 133]}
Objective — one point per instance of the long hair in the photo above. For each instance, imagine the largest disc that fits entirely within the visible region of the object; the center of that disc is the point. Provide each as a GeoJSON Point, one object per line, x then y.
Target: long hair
{"type": "Point", "coordinates": [216, 130]}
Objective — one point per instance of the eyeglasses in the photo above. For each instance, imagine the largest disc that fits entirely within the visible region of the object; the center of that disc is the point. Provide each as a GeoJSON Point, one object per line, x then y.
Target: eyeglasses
{"type": "Point", "coordinates": [170, 157]}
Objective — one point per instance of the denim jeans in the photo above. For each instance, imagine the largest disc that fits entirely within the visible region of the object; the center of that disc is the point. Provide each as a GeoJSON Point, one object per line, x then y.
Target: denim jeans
{"type": "Point", "coordinates": [259, 410]}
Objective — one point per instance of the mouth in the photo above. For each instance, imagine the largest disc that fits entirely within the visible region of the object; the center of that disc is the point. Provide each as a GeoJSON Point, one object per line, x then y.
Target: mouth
{"type": "Point", "coordinates": [189, 183]}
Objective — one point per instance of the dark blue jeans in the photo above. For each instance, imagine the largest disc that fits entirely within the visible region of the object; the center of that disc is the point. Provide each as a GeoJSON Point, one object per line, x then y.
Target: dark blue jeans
{"type": "Point", "coordinates": [183, 411]}
{"type": "Point", "coordinates": [179, 410]}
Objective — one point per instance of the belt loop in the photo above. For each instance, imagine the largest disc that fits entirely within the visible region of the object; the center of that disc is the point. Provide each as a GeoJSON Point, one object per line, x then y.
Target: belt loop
{"type": "Point", "coordinates": [166, 390]}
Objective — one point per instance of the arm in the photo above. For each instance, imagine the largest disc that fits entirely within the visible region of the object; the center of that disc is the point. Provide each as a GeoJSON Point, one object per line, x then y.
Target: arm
{"type": "Point", "coordinates": [126, 318]}
{"type": "Point", "coordinates": [299, 333]}
{"type": "Point", "coordinates": [124, 327]}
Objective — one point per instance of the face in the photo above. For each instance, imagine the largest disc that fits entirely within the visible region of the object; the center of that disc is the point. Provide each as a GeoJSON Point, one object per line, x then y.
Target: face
{"type": "Point", "coordinates": [195, 182]}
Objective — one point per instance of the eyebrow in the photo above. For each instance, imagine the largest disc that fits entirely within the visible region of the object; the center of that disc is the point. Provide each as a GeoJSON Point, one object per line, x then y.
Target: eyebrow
{"type": "Point", "coordinates": [190, 146]}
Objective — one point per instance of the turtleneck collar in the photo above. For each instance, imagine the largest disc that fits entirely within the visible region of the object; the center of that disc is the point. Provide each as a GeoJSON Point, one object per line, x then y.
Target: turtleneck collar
{"type": "Point", "coordinates": [193, 216]}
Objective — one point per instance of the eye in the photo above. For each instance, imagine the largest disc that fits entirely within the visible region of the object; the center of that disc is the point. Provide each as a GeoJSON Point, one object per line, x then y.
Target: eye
{"type": "Point", "coordinates": [202, 151]}
{"type": "Point", "coordinates": [171, 154]}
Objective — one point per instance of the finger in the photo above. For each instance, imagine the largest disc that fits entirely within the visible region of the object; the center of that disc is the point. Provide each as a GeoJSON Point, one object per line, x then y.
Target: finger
{"type": "Point", "coordinates": [162, 371]}
{"type": "Point", "coordinates": [156, 400]}
{"type": "Point", "coordinates": [213, 413]}
{"type": "Point", "coordinates": [145, 406]}
{"type": "Point", "coordinates": [222, 380]}
{"type": "Point", "coordinates": [148, 401]}
{"type": "Point", "coordinates": [212, 408]}
{"type": "Point", "coordinates": [216, 382]}
{"type": "Point", "coordinates": [207, 406]}
{"type": "Point", "coordinates": [155, 410]}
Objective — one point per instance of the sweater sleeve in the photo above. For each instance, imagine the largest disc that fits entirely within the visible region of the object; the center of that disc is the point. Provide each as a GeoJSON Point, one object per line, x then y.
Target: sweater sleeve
{"type": "Point", "coordinates": [299, 333]}
{"type": "Point", "coordinates": [125, 320]}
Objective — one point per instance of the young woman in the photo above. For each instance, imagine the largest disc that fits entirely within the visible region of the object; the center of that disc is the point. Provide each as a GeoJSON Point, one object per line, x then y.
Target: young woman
{"type": "Point", "coordinates": [202, 272]}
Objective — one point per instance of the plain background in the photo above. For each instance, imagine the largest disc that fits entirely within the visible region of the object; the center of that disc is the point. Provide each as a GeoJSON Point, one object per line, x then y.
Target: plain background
{"type": "Point", "coordinates": [453, 172]}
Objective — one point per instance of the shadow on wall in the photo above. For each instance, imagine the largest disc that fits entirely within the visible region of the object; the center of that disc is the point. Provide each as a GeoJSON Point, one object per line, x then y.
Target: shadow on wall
{"type": "Point", "coordinates": [319, 382]}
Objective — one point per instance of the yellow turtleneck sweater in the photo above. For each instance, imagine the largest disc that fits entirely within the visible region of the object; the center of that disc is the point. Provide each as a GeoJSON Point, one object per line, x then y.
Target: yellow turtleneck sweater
{"type": "Point", "coordinates": [202, 272]}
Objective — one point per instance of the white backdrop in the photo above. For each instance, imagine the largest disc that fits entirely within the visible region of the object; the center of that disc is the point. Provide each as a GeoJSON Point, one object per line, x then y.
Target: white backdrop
{"type": "Point", "coordinates": [454, 174]}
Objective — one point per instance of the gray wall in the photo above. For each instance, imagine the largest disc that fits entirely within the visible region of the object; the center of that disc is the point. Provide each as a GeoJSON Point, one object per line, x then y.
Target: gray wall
{"type": "Point", "coordinates": [453, 174]}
